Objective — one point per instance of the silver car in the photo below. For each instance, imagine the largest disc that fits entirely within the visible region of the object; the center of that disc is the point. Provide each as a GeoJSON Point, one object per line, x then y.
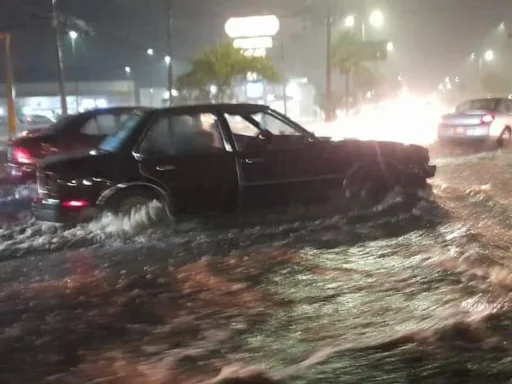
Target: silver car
{"type": "Point", "coordinates": [478, 120]}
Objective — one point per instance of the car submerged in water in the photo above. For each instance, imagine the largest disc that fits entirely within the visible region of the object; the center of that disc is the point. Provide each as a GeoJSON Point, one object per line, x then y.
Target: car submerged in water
{"type": "Point", "coordinates": [221, 158]}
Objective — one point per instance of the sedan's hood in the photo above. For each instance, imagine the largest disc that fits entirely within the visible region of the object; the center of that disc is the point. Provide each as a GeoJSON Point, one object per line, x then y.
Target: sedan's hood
{"type": "Point", "coordinates": [382, 149]}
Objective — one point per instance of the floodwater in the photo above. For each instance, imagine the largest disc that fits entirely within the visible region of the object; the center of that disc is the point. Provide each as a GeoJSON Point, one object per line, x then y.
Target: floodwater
{"type": "Point", "coordinates": [423, 295]}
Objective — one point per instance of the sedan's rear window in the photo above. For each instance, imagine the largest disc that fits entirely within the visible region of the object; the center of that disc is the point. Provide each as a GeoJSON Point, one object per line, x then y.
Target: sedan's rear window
{"type": "Point", "coordinates": [113, 143]}
{"type": "Point", "coordinates": [478, 105]}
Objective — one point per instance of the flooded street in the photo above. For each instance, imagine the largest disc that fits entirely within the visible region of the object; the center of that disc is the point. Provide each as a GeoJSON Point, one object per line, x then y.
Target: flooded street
{"type": "Point", "coordinates": [422, 296]}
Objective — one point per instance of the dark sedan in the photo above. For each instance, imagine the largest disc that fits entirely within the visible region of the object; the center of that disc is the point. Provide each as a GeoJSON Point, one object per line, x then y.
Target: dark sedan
{"type": "Point", "coordinates": [220, 158]}
{"type": "Point", "coordinates": [81, 131]}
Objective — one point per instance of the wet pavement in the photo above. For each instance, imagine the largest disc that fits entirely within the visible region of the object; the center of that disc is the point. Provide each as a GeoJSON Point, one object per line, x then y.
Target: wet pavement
{"type": "Point", "coordinates": [419, 296]}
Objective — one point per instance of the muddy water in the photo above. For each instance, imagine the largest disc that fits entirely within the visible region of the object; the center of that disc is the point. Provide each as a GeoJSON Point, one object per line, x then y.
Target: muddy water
{"type": "Point", "coordinates": [422, 296]}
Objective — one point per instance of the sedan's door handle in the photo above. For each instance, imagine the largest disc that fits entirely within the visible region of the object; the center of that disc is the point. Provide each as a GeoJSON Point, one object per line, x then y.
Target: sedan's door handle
{"type": "Point", "coordinates": [165, 167]}
{"type": "Point", "coordinates": [253, 160]}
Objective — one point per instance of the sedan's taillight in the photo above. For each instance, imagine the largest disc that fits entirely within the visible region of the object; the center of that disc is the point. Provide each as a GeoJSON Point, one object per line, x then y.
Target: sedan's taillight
{"type": "Point", "coordinates": [75, 204]}
{"type": "Point", "coordinates": [487, 119]}
{"type": "Point", "coordinates": [22, 155]}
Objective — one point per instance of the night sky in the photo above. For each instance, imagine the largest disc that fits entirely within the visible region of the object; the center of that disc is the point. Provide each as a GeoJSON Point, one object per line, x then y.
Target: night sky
{"type": "Point", "coordinates": [432, 37]}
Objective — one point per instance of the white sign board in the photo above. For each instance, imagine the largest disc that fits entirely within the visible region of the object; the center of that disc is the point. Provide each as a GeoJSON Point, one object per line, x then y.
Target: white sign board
{"type": "Point", "coordinates": [252, 26]}
{"type": "Point", "coordinates": [253, 42]}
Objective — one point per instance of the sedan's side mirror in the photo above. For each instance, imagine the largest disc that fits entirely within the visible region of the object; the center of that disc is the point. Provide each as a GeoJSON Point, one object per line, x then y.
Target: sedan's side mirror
{"type": "Point", "coordinates": [267, 136]}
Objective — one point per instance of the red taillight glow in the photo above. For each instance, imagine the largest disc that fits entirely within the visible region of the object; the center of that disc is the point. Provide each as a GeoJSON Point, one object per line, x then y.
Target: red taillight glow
{"type": "Point", "coordinates": [22, 155]}
{"type": "Point", "coordinates": [487, 119]}
{"type": "Point", "coordinates": [75, 204]}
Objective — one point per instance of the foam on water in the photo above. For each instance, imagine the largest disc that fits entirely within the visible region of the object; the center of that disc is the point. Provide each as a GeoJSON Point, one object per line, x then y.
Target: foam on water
{"type": "Point", "coordinates": [34, 236]}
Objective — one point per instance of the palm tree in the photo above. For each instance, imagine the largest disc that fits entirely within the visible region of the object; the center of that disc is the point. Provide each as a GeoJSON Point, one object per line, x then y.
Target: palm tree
{"type": "Point", "coordinates": [348, 60]}
{"type": "Point", "coordinates": [220, 66]}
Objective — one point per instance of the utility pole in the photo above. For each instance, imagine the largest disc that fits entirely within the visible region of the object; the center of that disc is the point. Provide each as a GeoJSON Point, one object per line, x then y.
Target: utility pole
{"type": "Point", "coordinates": [285, 80]}
{"type": "Point", "coordinates": [11, 110]}
{"type": "Point", "coordinates": [58, 57]}
{"type": "Point", "coordinates": [329, 113]}
{"type": "Point", "coordinates": [170, 75]}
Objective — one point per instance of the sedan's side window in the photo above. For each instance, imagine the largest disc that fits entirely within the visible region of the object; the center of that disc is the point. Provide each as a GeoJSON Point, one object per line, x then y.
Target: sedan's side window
{"type": "Point", "coordinates": [183, 135]}
{"type": "Point", "coordinates": [251, 132]}
{"type": "Point", "coordinates": [242, 130]}
{"type": "Point", "coordinates": [108, 124]}
{"type": "Point", "coordinates": [276, 126]}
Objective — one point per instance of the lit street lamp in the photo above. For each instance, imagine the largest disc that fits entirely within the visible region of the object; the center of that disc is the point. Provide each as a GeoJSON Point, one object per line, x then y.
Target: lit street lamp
{"type": "Point", "coordinates": [150, 51]}
{"type": "Point", "coordinates": [128, 71]}
{"type": "Point", "coordinates": [73, 35]}
{"type": "Point", "coordinates": [480, 58]}
{"type": "Point", "coordinates": [350, 21]}
{"type": "Point", "coordinates": [489, 55]}
{"type": "Point", "coordinates": [167, 60]}
{"type": "Point", "coordinates": [376, 20]}
{"type": "Point", "coordinates": [390, 46]}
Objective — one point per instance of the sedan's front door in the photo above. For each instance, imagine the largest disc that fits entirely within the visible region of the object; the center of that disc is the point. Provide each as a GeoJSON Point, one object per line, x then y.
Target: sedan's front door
{"type": "Point", "coordinates": [279, 165]}
{"type": "Point", "coordinates": [185, 154]}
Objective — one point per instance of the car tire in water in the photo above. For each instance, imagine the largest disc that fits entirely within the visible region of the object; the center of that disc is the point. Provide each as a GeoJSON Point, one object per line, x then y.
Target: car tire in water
{"type": "Point", "coordinates": [366, 186]}
{"type": "Point", "coordinates": [124, 202]}
{"type": "Point", "coordinates": [505, 139]}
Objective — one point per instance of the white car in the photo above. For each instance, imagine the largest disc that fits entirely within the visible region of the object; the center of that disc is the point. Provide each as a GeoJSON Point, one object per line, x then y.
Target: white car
{"type": "Point", "coordinates": [478, 120]}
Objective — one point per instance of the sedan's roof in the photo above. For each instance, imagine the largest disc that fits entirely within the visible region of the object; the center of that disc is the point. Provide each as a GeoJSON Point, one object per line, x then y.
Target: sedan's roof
{"type": "Point", "coordinates": [117, 109]}
{"type": "Point", "coordinates": [215, 108]}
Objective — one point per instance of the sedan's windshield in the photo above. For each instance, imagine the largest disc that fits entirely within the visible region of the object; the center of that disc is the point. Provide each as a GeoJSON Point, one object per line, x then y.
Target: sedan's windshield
{"type": "Point", "coordinates": [113, 143]}
{"type": "Point", "coordinates": [477, 105]}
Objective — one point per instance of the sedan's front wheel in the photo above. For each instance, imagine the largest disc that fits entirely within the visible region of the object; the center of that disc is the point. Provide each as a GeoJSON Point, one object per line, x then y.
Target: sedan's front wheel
{"type": "Point", "coordinates": [366, 187]}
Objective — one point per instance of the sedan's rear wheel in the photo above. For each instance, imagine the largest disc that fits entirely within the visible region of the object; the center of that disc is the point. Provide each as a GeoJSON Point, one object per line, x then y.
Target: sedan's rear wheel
{"type": "Point", "coordinates": [125, 202]}
{"type": "Point", "coordinates": [131, 203]}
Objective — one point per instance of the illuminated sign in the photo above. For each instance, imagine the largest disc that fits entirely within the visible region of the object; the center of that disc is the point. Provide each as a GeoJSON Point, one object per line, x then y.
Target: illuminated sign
{"type": "Point", "coordinates": [252, 26]}
{"type": "Point", "coordinates": [253, 42]}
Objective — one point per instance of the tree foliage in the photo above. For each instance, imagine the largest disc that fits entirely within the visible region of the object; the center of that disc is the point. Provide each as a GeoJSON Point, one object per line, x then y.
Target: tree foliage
{"type": "Point", "coordinates": [347, 58]}
{"type": "Point", "coordinates": [220, 66]}
{"type": "Point", "coordinates": [346, 53]}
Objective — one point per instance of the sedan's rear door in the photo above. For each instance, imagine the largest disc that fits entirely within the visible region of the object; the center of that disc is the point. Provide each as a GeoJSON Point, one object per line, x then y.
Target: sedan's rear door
{"type": "Point", "coordinates": [185, 154]}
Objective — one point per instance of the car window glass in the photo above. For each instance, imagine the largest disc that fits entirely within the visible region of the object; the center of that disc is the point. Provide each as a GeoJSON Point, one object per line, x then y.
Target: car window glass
{"type": "Point", "coordinates": [508, 106]}
{"type": "Point", "coordinates": [115, 142]}
{"type": "Point", "coordinates": [243, 131]}
{"type": "Point", "coordinates": [91, 128]}
{"type": "Point", "coordinates": [275, 125]}
{"type": "Point", "coordinates": [502, 107]}
{"type": "Point", "coordinates": [182, 135]}
{"type": "Point", "coordinates": [479, 104]}
{"type": "Point", "coordinates": [108, 124]}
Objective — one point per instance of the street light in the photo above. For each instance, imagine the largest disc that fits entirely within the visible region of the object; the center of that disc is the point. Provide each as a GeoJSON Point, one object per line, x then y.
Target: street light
{"type": "Point", "coordinates": [390, 46]}
{"type": "Point", "coordinates": [350, 21]}
{"type": "Point", "coordinates": [128, 70]}
{"type": "Point", "coordinates": [167, 60]}
{"type": "Point", "coordinates": [73, 35]}
{"type": "Point", "coordinates": [376, 18]}
{"type": "Point", "coordinates": [489, 55]}
{"type": "Point", "coordinates": [150, 51]}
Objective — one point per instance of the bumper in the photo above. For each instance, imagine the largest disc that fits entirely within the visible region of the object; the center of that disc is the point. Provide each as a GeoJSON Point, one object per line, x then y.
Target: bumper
{"type": "Point", "coordinates": [52, 211]}
{"type": "Point", "coordinates": [464, 139]}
